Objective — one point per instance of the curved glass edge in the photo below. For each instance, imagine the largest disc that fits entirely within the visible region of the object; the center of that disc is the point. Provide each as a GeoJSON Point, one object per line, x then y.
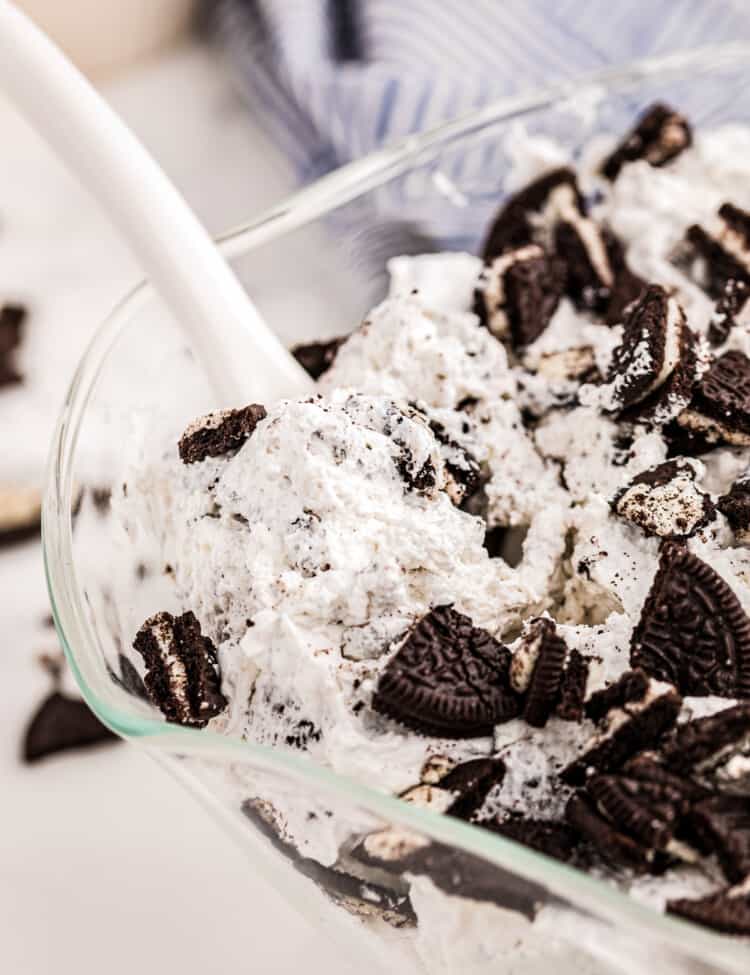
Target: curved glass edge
{"type": "Point", "coordinates": [332, 191]}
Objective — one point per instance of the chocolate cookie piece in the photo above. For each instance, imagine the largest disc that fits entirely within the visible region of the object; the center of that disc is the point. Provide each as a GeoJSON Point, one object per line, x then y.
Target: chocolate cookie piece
{"type": "Point", "coordinates": [20, 514]}
{"type": "Point", "coordinates": [219, 433]}
{"type": "Point", "coordinates": [651, 349]}
{"type": "Point", "coordinates": [731, 309]}
{"type": "Point", "coordinates": [12, 318]}
{"type": "Point", "coordinates": [448, 678]}
{"type": "Point", "coordinates": [182, 676]}
{"type": "Point", "coordinates": [615, 847]}
{"type": "Point", "coordinates": [648, 767]}
{"type": "Point", "coordinates": [646, 810]}
{"type": "Point", "coordinates": [693, 631]}
{"type": "Point", "coordinates": [514, 226]}
{"type": "Point", "coordinates": [554, 839]}
{"type": "Point", "coordinates": [727, 911]}
{"type": "Point", "coordinates": [471, 782]}
{"type": "Point", "coordinates": [462, 470]}
{"type": "Point", "coordinates": [665, 501]}
{"type": "Point", "coordinates": [629, 688]}
{"type": "Point", "coordinates": [570, 706]}
{"type": "Point", "coordinates": [700, 746]}
{"type": "Point", "coordinates": [735, 506]}
{"type": "Point", "coordinates": [626, 730]}
{"type": "Point", "coordinates": [362, 898]}
{"type": "Point", "coordinates": [316, 358]}
{"type": "Point", "coordinates": [587, 250]}
{"type": "Point", "coordinates": [716, 256]}
{"type": "Point", "coordinates": [537, 668]}
{"type": "Point", "coordinates": [722, 823]}
{"type": "Point", "coordinates": [518, 293]}
{"type": "Point", "coordinates": [60, 724]}
{"type": "Point", "coordinates": [720, 408]}
{"type": "Point", "coordinates": [669, 399]}
{"type": "Point", "coordinates": [627, 289]}
{"type": "Point", "coordinates": [660, 135]}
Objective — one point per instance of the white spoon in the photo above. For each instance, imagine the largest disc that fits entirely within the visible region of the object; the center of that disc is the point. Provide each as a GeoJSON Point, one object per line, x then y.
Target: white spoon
{"type": "Point", "coordinates": [244, 359]}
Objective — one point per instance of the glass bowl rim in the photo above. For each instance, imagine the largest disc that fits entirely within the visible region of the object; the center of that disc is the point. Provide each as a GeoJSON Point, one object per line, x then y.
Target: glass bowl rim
{"type": "Point", "coordinates": [301, 208]}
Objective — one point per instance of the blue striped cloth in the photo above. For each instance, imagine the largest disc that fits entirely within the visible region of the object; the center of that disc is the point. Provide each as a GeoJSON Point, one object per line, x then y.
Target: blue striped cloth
{"type": "Point", "coordinates": [333, 79]}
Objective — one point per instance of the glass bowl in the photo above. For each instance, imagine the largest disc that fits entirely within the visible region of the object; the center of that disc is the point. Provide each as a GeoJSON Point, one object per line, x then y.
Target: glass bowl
{"type": "Point", "coordinates": [479, 903]}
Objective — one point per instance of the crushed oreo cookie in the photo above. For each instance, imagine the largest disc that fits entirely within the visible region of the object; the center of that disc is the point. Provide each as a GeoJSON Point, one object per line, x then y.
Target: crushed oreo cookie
{"type": "Point", "coordinates": [727, 911]}
{"type": "Point", "coordinates": [614, 846]}
{"type": "Point", "coordinates": [732, 309]}
{"type": "Point", "coordinates": [570, 706]}
{"type": "Point", "coordinates": [708, 749]}
{"type": "Point", "coordinates": [518, 293]}
{"type": "Point", "coordinates": [633, 715]}
{"type": "Point", "coordinates": [719, 255]}
{"type": "Point", "coordinates": [735, 506]}
{"type": "Point", "coordinates": [660, 135]}
{"type": "Point", "coordinates": [719, 410]}
{"type": "Point", "coordinates": [515, 224]}
{"type": "Point", "coordinates": [20, 514]}
{"type": "Point", "coordinates": [589, 252]}
{"type": "Point", "coordinates": [448, 678]}
{"type": "Point", "coordinates": [316, 358]}
{"type": "Point", "coordinates": [693, 630]}
{"type": "Point", "coordinates": [722, 825]}
{"type": "Point", "coordinates": [537, 669]}
{"type": "Point", "coordinates": [651, 350]}
{"type": "Point", "coordinates": [471, 782]}
{"type": "Point", "coordinates": [12, 318]}
{"type": "Point", "coordinates": [463, 473]}
{"type": "Point", "coordinates": [646, 810]}
{"type": "Point", "coordinates": [665, 501]}
{"type": "Point", "coordinates": [182, 677]}
{"type": "Point", "coordinates": [554, 839]}
{"type": "Point", "coordinates": [219, 433]}
{"type": "Point", "coordinates": [62, 723]}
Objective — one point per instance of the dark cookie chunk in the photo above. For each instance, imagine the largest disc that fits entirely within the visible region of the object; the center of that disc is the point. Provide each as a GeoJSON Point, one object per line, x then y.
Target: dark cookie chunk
{"type": "Point", "coordinates": [448, 678]}
{"type": "Point", "coordinates": [612, 845]}
{"type": "Point", "coordinates": [514, 227]}
{"type": "Point", "coordinates": [651, 349]}
{"type": "Point", "coordinates": [182, 677]}
{"type": "Point", "coordinates": [722, 824]}
{"type": "Point", "coordinates": [219, 433]}
{"type": "Point", "coordinates": [360, 897]}
{"type": "Point", "coordinates": [648, 768]}
{"type": "Point", "coordinates": [60, 724]}
{"type": "Point", "coordinates": [672, 396]}
{"type": "Point", "coordinates": [713, 258]}
{"type": "Point", "coordinates": [518, 293]}
{"type": "Point", "coordinates": [570, 706]}
{"type": "Point", "coordinates": [720, 407]}
{"type": "Point", "coordinates": [463, 473]}
{"type": "Point", "coordinates": [703, 744]}
{"type": "Point", "coordinates": [730, 308]}
{"type": "Point", "coordinates": [472, 782]}
{"type": "Point", "coordinates": [735, 506]}
{"type": "Point", "coordinates": [537, 668]}
{"type": "Point", "coordinates": [20, 514]}
{"type": "Point", "coordinates": [627, 289]}
{"type": "Point", "coordinates": [647, 810]}
{"type": "Point", "coordinates": [693, 631]}
{"type": "Point", "coordinates": [727, 911]}
{"type": "Point", "coordinates": [660, 134]}
{"type": "Point", "coordinates": [317, 358]}
{"type": "Point", "coordinates": [556, 840]}
{"type": "Point", "coordinates": [625, 731]}
{"type": "Point", "coordinates": [588, 252]}
{"type": "Point", "coordinates": [631, 687]}
{"type": "Point", "coordinates": [462, 874]}
{"type": "Point", "coordinates": [11, 322]}
{"type": "Point", "coordinates": [665, 501]}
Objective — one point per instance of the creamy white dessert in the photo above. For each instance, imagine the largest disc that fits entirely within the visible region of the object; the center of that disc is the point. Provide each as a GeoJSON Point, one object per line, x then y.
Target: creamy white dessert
{"type": "Point", "coordinates": [509, 530]}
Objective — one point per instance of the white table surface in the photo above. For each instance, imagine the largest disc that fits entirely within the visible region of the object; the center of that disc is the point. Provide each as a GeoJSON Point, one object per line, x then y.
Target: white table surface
{"type": "Point", "coordinates": [105, 865]}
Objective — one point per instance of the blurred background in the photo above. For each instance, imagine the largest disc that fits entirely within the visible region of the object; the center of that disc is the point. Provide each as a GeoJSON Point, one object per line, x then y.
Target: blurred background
{"type": "Point", "coordinates": [102, 863]}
